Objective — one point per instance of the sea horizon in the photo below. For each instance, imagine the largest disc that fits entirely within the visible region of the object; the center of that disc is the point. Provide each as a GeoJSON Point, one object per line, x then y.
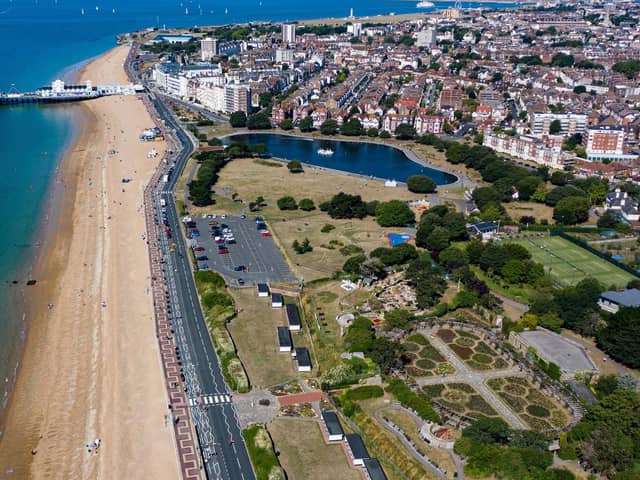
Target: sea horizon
{"type": "Point", "coordinates": [60, 41]}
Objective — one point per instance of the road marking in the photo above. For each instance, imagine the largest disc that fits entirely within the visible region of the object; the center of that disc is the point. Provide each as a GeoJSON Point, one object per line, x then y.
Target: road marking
{"type": "Point", "coordinates": [217, 399]}
{"type": "Point", "coordinates": [226, 397]}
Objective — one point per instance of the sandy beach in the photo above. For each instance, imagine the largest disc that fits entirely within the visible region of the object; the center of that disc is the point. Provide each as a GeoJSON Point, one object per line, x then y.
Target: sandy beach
{"type": "Point", "coordinates": [91, 367]}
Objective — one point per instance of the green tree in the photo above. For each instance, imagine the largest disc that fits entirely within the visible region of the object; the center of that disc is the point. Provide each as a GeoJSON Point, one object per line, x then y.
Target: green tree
{"type": "Point", "coordinates": [404, 131]}
{"type": "Point", "coordinates": [540, 194]}
{"type": "Point", "coordinates": [287, 203]}
{"type": "Point", "coordinates": [238, 119]}
{"type": "Point", "coordinates": [562, 60]}
{"type": "Point", "coordinates": [620, 337]}
{"type": "Point", "coordinates": [555, 127]}
{"type": "Point", "coordinates": [609, 219]}
{"type": "Point", "coordinates": [438, 239]}
{"type": "Point", "coordinates": [572, 210]}
{"type": "Point", "coordinates": [385, 134]}
{"type": "Point", "coordinates": [258, 121]}
{"type": "Point", "coordinates": [353, 264]}
{"type": "Point", "coordinates": [306, 124]}
{"type": "Point", "coordinates": [629, 68]}
{"type": "Point", "coordinates": [394, 213]}
{"type": "Point", "coordinates": [421, 184]}
{"type": "Point", "coordinates": [372, 132]}
{"type": "Point", "coordinates": [514, 271]}
{"type": "Point", "coordinates": [306, 204]}
{"type": "Point", "coordinates": [344, 205]}
{"type": "Point", "coordinates": [286, 124]}
{"type": "Point", "coordinates": [294, 166]}
{"type": "Point", "coordinates": [329, 127]}
{"type": "Point", "coordinates": [352, 128]}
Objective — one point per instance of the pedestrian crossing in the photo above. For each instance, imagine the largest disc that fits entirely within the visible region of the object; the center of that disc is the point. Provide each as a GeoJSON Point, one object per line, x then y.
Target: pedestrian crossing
{"type": "Point", "coordinates": [209, 400]}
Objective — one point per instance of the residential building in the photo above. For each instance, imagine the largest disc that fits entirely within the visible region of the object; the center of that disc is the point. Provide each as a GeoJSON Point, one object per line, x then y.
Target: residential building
{"type": "Point", "coordinates": [612, 301]}
{"type": "Point", "coordinates": [208, 48]}
{"type": "Point", "coordinates": [426, 38]}
{"type": "Point", "coordinates": [570, 123]}
{"type": "Point", "coordinates": [622, 202]}
{"type": "Point", "coordinates": [288, 33]}
{"type": "Point", "coordinates": [211, 97]}
{"type": "Point", "coordinates": [524, 147]}
{"type": "Point", "coordinates": [603, 143]}
{"type": "Point", "coordinates": [237, 98]}
{"type": "Point", "coordinates": [425, 124]}
{"type": "Point", "coordinates": [355, 29]}
{"type": "Point", "coordinates": [284, 55]}
{"type": "Point", "coordinates": [484, 230]}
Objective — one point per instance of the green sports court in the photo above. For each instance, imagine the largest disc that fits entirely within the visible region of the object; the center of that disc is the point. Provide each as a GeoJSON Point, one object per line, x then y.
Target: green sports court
{"type": "Point", "coordinates": [568, 263]}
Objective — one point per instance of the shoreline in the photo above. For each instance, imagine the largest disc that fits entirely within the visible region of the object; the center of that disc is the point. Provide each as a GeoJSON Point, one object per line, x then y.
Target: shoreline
{"type": "Point", "coordinates": [43, 236]}
{"type": "Point", "coordinates": [90, 365]}
{"type": "Point", "coordinates": [460, 178]}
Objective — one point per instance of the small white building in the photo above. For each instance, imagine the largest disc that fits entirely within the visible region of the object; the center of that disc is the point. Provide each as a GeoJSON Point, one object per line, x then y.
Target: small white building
{"type": "Point", "coordinates": [284, 339]}
{"type": "Point", "coordinates": [263, 290]}
{"type": "Point", "coordinates": [357, 451]}
{"type": "Point", "coordinates": [303, 358]}
{"type": "Point", "coordinates": [277, 300]}
{"type": "Point", "coordinates": [332, 426]}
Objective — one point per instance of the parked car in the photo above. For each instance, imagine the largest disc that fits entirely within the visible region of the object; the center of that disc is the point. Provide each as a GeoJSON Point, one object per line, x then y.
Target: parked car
{"type": "Point", "coordinates": [202, 258]}
{"type": "Point", "coordinates": [240, 281]}
{"type": "Point", "coordinates": [198, 249]}
{"type": "Point", "coordinates": [240, 268]}
{"type": "Point", "coordinates": [223, 250]}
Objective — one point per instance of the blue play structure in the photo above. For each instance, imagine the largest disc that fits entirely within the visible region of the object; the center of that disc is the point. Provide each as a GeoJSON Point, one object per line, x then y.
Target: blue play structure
{"type": "Point", "coordinates": [398, 238]}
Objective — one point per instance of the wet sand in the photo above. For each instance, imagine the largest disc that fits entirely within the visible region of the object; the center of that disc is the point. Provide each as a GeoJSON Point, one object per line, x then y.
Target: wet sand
{"type": "Point", "coordinates": [92, 371]}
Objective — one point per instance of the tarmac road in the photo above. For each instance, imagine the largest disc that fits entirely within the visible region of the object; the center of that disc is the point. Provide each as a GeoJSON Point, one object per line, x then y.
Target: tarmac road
{"type": "Point", "coordinates": [222, 447]}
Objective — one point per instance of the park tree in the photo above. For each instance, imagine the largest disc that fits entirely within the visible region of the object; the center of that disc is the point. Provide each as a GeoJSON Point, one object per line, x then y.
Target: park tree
{"type": "Point", "coordinates": [609, 219]}
{"type": "Point", "coordinates": [620, 337]}
{"type": "Point", "coordinates": [527, 187]}
{"type": "Point", "coordinates": [562, 60]}
{"type": "Point", "coordinates": [572, 210]}
{"type": "Point", "coordinates": [344, 205]}
{"type": "Point", "coordinates": [394, 213]}
{"type": "Point", "coordinates": [295, 166]}
{"type": "Point", "coordinates": [258, 121]}
{"type": "Point", "coordinates": [287, 203]}
{"type": "Point", "coordinates": [421, 184]}
{"type": "Point", "coordinates": [306, 204]}
{"type": "Point", "coordinates": [302, 247]}
{"type": "Point", "coordinates": [372, 132]}
{"type": "Point", "coordinates": [353, 264]}
{"type": "Point", "coordinates": [286, 124]}
{"type": "Point", "coordinates": [404, 131]}
{"type": "Point", "coordinates": [437, 240]}
{"type": "Point", "coordinates": [352, 128]}
{"type": "Point", "coordinates": [555, 127]}
{"type": "Point", "coordinates": [306, 124]}
{"type": "Point", "coordinates": [329, 127]}
{"type": "Point", "coordinates": [384, 134]}
{"type": "Point", "coordinates": [238, 119]}
{"type": "Point", "coordinates": [427, 281]}
{"type": "Point", "coordinates": [484, 195]}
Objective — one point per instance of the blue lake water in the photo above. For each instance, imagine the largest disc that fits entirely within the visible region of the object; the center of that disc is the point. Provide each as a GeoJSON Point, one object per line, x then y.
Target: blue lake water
{"type": "Point", "coordinates": [362, 158]}
{"type": "Point", "coordinates": [39, 39]}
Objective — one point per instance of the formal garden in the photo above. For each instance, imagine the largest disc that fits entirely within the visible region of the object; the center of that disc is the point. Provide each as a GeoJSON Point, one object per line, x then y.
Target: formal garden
{"type": "Point", "coordinates": [473, 350]}
{"type": "Point", "coordinates": [460, 399]}
{"type": "Point", "coordinates": [539, 411]}
{"type": "Point", "coordinates": [426, 361]}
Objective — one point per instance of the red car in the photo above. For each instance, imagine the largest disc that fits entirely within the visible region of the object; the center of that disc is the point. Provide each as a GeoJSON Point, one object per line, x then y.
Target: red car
{"type": "Point", "coordinates": [223, 250]}
{"type": "Point", "coordinates": [265, 234]}
{"type": "Point", "coordinates": [198, 249]}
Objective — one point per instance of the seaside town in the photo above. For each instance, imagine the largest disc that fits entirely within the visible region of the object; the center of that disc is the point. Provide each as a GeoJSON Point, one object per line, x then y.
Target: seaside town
{"type": "Point", "coordinates": [385, 247]}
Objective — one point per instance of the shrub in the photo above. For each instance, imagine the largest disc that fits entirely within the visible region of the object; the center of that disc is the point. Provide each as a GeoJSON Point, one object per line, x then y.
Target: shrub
{"type": "Point", "coordinates": [365, 393]}
{"type": "Point", "coordinates": [286, 124]}
{"type": "Point", "coordinates": [433, 390]}
{"type": "Point", "coordinates": [287, 203]}
{"type": "Point", "coordinates": [306, 204]}
{"type": "Point", "coordinates": [418, 338]}
{"type": "Point", "coordinates": [425, 364]}
{"type": "Point", "coordinates": [327, 227]}
{"type": "Point", "coordinates": [421, 184]}
{"type": "Point", "coordinates": [412, 400]}
{"type": "Point", "coordinates": [238, 119]}
{"type": "Point", "coordinates": [295, 166]}
{"type": "Point", "coordinates": [538, 411]}
{"type": "Point", "coordinates": [350, 250]}
{"type": "Point", "coordinates": [482, 358]}
{"type": "Point", "coordinates": [302, 247]}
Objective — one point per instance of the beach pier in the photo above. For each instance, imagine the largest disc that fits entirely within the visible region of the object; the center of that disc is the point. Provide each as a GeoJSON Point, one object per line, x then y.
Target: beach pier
{"type": "Point", "coordinates": [60, 92]}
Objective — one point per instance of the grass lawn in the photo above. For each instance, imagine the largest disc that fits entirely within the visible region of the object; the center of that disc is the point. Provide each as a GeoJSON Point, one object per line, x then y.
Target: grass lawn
{"type": "Point", "coordinates": [303, 453]}
{"type": "Point", "coordinates": [568, 263]}
{"type": "Point", "coordinates": [529, 209]}
{"type": "Point", "coordinates": [254, 333]}
{"type": "Point", "coordinates": [261, 452]}
{"type": "Point", "coordinates": [250, 178]}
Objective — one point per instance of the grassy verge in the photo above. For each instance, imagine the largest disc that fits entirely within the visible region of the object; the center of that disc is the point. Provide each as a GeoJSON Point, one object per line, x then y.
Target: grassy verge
{"type": "Point", "coordinates": [218, 308]}
{"type": "Point", "coordinates": [263, 458]}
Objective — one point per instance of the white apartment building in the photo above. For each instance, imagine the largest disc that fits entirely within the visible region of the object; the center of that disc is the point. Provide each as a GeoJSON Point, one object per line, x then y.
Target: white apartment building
{"type": "Point", "coordinates": [211, 97]}
{"type": "Point", "coordinates": [284, 55]}
{"type": "Point", "coordinates": [288, 33]}
{"type": "Point", "coordinates": [208, 48]}
{"type": "Point", "coordinates": [524, 147]}
{"type": "Point", "coordinates": [570, 123]}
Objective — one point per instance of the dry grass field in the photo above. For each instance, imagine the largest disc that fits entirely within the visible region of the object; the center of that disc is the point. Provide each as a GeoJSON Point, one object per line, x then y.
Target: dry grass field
{"type": "Point", "coordinates": [303, 453]}
{"type": "Point", "coordinates": [254, 333]}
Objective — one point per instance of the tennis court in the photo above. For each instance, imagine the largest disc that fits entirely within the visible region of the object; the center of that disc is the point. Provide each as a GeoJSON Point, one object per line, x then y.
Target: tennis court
{"type": "Point", "coordinates": [567, 263]}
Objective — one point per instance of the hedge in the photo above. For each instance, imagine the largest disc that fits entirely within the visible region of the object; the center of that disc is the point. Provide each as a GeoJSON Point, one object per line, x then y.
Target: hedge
{"type": "Point", "coordinates": [364, 393]}
{"type": "Point", "coordinates": [412, 400]}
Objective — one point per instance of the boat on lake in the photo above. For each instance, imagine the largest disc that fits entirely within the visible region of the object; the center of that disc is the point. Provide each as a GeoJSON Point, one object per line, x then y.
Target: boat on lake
{"type": "Point", "coordinates": [325, 152]}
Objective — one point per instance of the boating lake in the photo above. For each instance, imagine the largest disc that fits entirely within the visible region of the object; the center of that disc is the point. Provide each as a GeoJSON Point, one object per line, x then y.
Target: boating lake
{"type": "Point", "coordinates": [361, 158]}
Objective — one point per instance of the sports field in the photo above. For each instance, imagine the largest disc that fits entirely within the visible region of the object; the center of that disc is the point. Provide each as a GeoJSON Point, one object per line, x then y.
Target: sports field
{"type": "Point", "coordinates": [568, 263]}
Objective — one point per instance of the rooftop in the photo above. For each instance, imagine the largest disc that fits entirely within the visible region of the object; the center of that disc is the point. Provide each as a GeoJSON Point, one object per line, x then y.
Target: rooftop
{"type": "Point", "coordinates": [302, 356]}
{"type": "Point", "coordinates": [626, 298]}
{"type": "Point", "coordinates": [374, 469]}
{"type": "Point", "coordinates": [333, 424]}
{"type": "Point", "coordinates": [356, 445]}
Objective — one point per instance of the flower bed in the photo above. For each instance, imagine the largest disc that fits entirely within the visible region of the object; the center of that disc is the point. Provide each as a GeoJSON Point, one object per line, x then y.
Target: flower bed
{"type": "Point", "coordinates": [463, 352]}
{"type": "Point", "coordinates": [447, 335]}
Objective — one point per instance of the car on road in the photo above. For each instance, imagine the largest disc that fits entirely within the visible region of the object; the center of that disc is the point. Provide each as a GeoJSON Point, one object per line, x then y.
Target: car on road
{"type": "Point", "coordinates": [240, 268]}
{"type": "Point", "coordinates": [213, 223]}
{"type": "Point", "coordinates": [265, 234]}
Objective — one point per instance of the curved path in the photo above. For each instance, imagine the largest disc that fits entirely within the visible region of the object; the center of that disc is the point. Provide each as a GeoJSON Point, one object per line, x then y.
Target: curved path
{"type": "Point", "coordinates": [475, 379]}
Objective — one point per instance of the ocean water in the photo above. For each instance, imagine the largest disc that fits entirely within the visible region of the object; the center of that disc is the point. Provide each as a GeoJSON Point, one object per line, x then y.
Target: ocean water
{"type": "Point", "coordinates": [39, 40]}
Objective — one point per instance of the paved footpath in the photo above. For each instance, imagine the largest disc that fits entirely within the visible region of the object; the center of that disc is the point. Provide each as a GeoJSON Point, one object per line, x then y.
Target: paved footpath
{"type": "Point", "coordinates": [475, 379]}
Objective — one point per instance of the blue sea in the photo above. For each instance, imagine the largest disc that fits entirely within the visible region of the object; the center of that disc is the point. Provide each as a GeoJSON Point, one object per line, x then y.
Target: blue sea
{"type": "Point", "coordinates": [39, 41]}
